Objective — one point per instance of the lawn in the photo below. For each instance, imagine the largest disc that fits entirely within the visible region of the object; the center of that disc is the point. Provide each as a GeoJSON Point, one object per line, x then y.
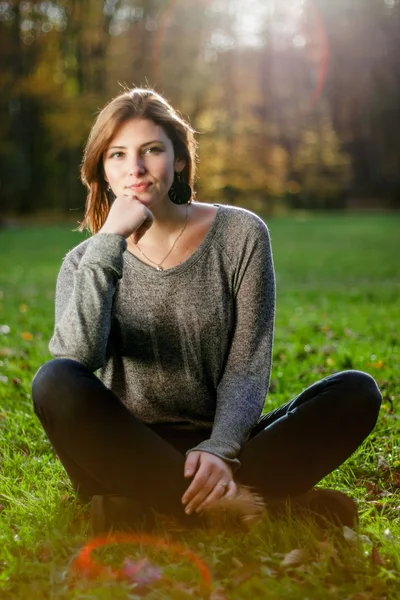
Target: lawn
{"type": "Point", "coordinates": [338, 288]}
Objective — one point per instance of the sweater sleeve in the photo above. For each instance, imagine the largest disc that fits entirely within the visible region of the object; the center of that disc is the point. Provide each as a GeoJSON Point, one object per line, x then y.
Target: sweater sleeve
{"type": "Point", "coordinates": [244, 384]}
{"type": "Point", "coordinates": [84, 297]}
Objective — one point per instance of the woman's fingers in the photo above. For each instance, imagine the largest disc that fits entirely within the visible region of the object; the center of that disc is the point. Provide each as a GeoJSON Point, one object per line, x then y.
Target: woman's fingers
{"type": "Point", "coordinates": [192, 463]}
{"type": "Point", "coordinates": [128, 216]}
{"type": "Point", "coordinates": [218, 492]}
{"type": "Point", "coordinates": [199, 489]}
{"type": "Point", "coordinates": [210, 470]}
{"type": "Point", "coordinates": [231, 489]}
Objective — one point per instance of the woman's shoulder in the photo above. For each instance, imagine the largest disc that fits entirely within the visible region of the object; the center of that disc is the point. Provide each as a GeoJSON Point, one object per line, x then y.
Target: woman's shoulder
{"type": "Point", "coordinates": [74, 255]}
{"type": "Point", "coordinates": [241, 222]}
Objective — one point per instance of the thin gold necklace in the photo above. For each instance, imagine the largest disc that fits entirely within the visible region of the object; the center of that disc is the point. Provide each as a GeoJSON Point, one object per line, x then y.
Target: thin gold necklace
{"type": "Point", "coordinates": [159, 265]}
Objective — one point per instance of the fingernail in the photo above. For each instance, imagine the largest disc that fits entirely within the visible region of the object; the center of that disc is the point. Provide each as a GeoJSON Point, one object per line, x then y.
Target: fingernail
{"type": "Point", "coordinates": [188, 510]}
{"type": "Point", "coordinates": [187, 472]}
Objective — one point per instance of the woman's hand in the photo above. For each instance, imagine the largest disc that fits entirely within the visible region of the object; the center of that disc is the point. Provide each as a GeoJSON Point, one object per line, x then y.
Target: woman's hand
{"type": "Point", "coordinates": [211, 475]}
{"type": "Point", "coordinates": [128, 216]}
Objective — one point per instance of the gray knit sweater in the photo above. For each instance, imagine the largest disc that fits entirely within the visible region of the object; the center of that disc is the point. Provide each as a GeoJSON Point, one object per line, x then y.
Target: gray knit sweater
{"type": "Point", "coordinates": [189, 346]}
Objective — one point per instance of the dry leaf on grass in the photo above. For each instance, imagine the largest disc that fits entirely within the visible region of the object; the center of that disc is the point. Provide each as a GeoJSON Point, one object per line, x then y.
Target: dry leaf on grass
{"type": "Point", "coordinates": [246, 572]}
{"type": "Point", "coordinates": [395, 479]}
{"type": "Point", "coordinates": [382, 464]}
{"type": "Point", "coordinates": [354, 538]}
{"type": "Point", "coordinates": [295, 558]}
{"type": "Point", "coordinates": [237, 562]}
{"type": "Point", "coordinates": [349, 535]}
{"type": "Point", "coordinates": [327, 551]}
{"type": "Point", "coordinates": [45, 553]}
{"type": "Point", "coordinates": [376, 558]}
{"type": "Point", "coordinates": [218, 594]}
{"type": "Point", "coordinates": [372, 488]}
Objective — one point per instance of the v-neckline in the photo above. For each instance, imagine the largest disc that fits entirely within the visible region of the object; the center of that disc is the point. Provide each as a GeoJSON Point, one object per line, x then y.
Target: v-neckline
{"type": "Point", "coordinates": [150, 270]}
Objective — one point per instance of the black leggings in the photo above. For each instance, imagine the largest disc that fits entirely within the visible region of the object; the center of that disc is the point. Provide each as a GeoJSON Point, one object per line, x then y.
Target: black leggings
{"type": "Point", "coordinates": [105, 449]}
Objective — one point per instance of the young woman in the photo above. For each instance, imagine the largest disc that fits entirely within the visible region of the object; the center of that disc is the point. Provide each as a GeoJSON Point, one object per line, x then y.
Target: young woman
{"type": "Point", "coordinates": [172, 302]}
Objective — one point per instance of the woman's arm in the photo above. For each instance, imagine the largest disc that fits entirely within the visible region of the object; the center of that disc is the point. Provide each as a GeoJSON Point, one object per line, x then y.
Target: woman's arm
{"type": "Point", "coordinates": [85, 289]}
{"type": "Point", "coordinates": [84, 297]}
{"type": "Point", "coordinates": [244, 384]}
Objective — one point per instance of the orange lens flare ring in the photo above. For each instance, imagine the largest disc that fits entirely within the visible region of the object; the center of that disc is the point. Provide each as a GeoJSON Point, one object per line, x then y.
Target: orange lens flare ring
{"type": "Point", "coordinates": [319, 33]}
{"type": "Point", "coordinates": [84, 565]}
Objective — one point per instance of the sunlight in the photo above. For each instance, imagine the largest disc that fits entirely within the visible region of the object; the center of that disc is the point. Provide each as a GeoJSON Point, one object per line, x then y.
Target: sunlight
{"type": "Point", "coordinates": [252, 21]}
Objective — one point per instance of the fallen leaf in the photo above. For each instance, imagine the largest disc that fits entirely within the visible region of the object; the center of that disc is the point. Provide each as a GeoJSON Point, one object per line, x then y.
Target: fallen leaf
{"type": "Point", "coordinates": [295, 558]}
{"type": "Point", "coordinates": [218, 594]}
{"type": "Point", "coordinates": [378, 504]}
{"type": "Point", "coordinates": [396, 479]}
{"type": "Point", "coordinates": [349, 535]}
{"type": "Point", "coordinates": [45, 551]}
{"type": "Point", "coordinates": [142, 572]}
{"type": "Point", "coordinates": [27, 336]}
{"type": "Point", "coordinates": [379, 364]}
{"type": "Point", "coordinates": [245, 573]}
{"type": "Point", "coordinates": [328, 551]}
{"type": "Point", "coordinates": [382, 464]}
{"type": "Point", "coordinates": [6, 351]}
{"type": "Point", "coordinates": [237, 562]}
{"type": "Point", "coordinates": [372, 488]}
{"type": "Point", "coordinates": [23, 308]}
{"type": "Point", "coordinates": [353, 537]}
{"type": "Point", "coordinates": [327, 350]}
{"type": "Point", "coordinates": [376, 558]}
{"type": "Point", "coordinates": [184, 590]}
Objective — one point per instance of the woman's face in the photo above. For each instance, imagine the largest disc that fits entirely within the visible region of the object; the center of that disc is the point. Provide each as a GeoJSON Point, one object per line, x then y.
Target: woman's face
{"type": "Point", "coordinates": [140, 160]}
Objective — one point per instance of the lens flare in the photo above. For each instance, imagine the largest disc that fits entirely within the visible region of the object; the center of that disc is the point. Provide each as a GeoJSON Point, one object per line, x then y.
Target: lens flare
{"type": "Point", "coordinates": [85, 566]}
{"type": "Point", "coordinates": [317, 33]}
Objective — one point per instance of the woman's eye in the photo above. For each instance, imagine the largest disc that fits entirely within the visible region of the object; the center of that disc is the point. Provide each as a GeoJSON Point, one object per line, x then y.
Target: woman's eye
{"type": "Point", "coordinates": [153, 150]}
{"type": "Point", "coordinates": [115, 154]}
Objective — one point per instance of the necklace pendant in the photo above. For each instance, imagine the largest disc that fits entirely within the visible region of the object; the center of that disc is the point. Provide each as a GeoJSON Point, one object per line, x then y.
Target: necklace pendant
{"type": "Point", "coordinates": [159, 268]}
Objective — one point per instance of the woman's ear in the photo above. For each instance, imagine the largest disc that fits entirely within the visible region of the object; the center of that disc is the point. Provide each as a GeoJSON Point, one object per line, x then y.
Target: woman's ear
{"type": "Point", "coordinates": [179, 164]}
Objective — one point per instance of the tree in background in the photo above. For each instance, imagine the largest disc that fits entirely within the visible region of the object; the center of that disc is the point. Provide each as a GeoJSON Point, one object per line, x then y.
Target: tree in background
{"type": "Point", "coordinates": [249, 74]}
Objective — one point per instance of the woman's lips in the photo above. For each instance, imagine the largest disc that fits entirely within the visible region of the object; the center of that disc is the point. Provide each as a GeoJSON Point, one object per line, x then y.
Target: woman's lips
{"type": "Point", "coordinates": [140, 187]}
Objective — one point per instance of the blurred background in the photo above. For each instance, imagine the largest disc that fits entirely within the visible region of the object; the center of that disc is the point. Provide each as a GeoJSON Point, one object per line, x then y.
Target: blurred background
{"type": "Point", "coordinates": [297, 102]}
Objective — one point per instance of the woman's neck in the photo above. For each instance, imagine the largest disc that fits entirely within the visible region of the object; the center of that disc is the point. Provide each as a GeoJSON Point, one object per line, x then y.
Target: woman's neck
{"type": "Point", "coordinates": [168, 218]}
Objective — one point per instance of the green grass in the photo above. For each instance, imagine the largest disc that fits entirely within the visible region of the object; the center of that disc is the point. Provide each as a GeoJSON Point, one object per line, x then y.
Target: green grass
{"type": "Point", "coordinates": [338, 282]}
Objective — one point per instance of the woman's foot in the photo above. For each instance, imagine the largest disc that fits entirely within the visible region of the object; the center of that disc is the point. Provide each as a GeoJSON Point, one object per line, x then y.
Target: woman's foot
{"type": "Point", "coordinates": [325, 506]}
{"type": "Point", "coordinates": [118, 513]}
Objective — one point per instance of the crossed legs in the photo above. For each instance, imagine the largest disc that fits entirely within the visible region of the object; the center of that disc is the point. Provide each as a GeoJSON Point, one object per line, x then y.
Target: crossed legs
{"type": "Point", "coordinates": [105, 449]}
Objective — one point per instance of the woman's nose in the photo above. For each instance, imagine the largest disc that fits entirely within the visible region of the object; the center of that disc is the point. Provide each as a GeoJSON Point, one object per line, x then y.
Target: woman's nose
{"type": "Point", "coordinates": [137, 166]}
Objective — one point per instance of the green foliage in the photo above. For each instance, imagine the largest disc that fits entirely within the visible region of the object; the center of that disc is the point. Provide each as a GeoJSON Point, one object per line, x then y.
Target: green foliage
{"type": "Point", "coordinates": [338, 287]}
{"type": "Point", "coordinates": [245, 76]}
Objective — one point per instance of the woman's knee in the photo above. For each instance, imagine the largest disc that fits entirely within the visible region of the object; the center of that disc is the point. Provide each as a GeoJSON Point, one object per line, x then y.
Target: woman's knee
{"type": "Point", "coordinates": [51, 379]}
{"type": "Point", "coordinates": [363, 391]}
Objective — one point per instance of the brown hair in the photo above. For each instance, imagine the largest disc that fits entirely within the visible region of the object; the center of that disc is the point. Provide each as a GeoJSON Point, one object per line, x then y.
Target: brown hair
{"type": "Point", "coordinates": [135, 103]}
